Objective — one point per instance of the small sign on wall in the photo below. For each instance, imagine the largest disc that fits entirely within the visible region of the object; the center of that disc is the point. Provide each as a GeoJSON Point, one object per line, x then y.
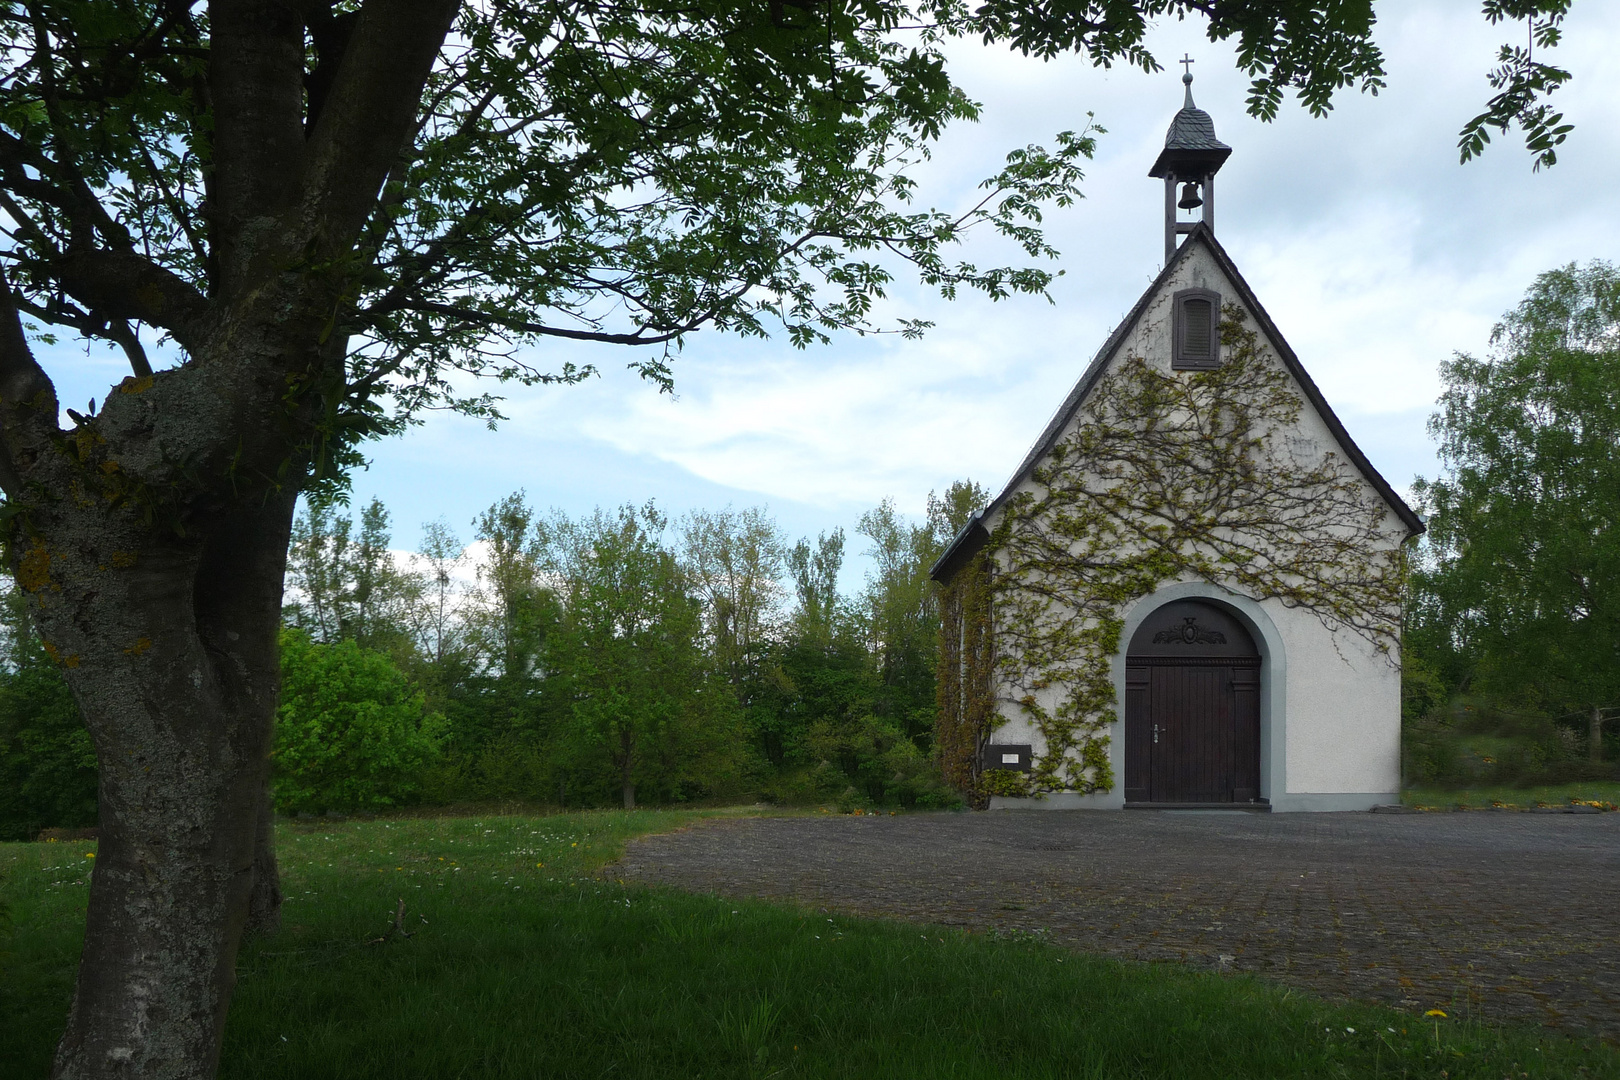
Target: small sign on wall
{"type": "Point", "coordinates": [1015, 757]}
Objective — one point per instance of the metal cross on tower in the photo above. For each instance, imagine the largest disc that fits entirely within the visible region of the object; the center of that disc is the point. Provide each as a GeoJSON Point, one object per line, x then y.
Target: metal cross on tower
{"type": "Point", "coordinates": [1186, 63]}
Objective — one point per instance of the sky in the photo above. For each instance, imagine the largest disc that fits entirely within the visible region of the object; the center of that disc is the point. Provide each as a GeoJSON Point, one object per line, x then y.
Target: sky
{"type": "Point", "coordinates": [1376, 253]}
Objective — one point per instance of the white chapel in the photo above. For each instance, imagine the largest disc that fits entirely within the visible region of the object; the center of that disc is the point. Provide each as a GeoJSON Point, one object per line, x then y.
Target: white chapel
{"type": "Point", "coordinates": [1188, 594]}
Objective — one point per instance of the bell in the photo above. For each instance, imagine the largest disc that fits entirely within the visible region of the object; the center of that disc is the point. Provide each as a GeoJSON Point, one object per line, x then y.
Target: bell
{"type": "Point", "coordinates": [1189, 196]}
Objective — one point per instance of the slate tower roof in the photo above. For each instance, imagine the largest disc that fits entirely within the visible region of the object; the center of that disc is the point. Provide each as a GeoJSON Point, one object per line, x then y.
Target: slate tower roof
{"type": "Point", "coordinates": [1190, 146]}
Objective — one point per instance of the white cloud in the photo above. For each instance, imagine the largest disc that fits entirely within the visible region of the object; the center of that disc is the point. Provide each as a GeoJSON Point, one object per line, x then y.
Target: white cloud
{"type": "Point", "coordinates": [1374, 251]}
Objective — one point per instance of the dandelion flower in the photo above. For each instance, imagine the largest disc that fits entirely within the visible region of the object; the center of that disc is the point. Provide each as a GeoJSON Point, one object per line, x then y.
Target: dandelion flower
{"type": "Point", "coordinates": [1434, 1012]}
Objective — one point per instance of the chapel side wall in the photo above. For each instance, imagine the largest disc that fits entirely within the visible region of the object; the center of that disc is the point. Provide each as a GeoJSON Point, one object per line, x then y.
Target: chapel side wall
{"type": "Point", "coordinates": [1341, 733]}
{"type": "Point", "coordinates": [1335, 744]}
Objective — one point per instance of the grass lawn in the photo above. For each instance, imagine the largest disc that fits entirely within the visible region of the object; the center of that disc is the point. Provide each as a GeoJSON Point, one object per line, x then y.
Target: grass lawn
{"type": "Point", "coordinates": [1603, 791]}
{"type": "Point", "coordinates": [522, 961]}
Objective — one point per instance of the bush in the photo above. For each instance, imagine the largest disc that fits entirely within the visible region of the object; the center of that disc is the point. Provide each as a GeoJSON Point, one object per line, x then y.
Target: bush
{"type": "Point", "coordinates": [874, 763]}
{"type": "Point", "coordinates": [510, 768]}
{"type": "Point", "coordinates": [350, 733]}
{"type": "Point", "coordinates": [1423, 690]}
{"type": "Point", "coordinates": [851, 800]}
{"type": "Point", "coordinates": [803, 786]}
{"type": "Point", "coordinates": [47, 762]}
{"type": "Point", "coordinates": [1477, 740]}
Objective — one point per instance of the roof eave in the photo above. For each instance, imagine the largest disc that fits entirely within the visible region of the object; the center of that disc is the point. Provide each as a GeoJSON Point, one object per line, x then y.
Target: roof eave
{"type": "Point", "coordinates": [962, 547]}
{"type": "Point", "coordinates": [950, 560]}
{"type": "Point", "coordinates": [1414, 524]}
{"type": "Point", "coordinates": [1173, 161]}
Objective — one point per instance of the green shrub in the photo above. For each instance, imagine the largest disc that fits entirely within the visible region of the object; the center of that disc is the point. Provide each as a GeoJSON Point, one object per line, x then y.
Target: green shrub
{"type": "Point", "coordinates": [851, 800]}
{"type": "Point", "coordinates": [512, 767]}
{"type": "Point", "coordinates": [350, 733]}
{"type": "Point", "coordinates": [1423, 690]}
{"type": "Point", "coordinates": [47, 762]}
{"type": "Point", "coordinates": [878, 764]}
{"type": "Point", "coordinates": [1483, 741]}
{"type": "Point", "coordinates": [803, 786]}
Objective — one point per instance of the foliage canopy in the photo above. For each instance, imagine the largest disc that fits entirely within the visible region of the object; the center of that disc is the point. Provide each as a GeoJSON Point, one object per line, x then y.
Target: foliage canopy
{"type": "Point", "coordinates": [1520, 583]}
{"type": "Point", "coordinates": [351, 733]}
{"type": "Point", "coordinates": [603, 171]}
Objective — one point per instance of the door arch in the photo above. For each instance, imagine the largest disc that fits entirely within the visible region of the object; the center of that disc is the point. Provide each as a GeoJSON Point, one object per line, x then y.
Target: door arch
{"type": "Point", "coordinates": [1192, 708]}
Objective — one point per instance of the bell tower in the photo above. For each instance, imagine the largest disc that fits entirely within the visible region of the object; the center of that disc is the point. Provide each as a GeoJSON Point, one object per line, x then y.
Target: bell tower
{"type": "Point", "coordinates": [1191, 157]}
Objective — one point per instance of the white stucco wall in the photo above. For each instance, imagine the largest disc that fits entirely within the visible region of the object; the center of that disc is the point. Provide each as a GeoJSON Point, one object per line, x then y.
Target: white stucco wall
{"type": "Point", "coordinates": [1330, 702]}
{"type": "Point", "coordinates": [1343, 726]}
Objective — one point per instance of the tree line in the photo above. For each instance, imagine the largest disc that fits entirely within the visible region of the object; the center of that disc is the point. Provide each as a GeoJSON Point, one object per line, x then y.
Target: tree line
{"type": "Point", "coordinates": [622, 656]}
{"type": "Point", "coordinates": [616, 657]}
{"type": "Point", "coordinates": [1512, 644]}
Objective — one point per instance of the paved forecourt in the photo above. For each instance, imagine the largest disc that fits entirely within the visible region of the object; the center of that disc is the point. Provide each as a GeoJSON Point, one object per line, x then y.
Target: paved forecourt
{"type": "Point", "coordinates": [1509, 915]}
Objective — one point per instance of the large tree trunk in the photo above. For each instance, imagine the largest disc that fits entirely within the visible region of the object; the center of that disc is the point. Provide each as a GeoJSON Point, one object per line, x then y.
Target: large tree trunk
{"type": "Point", "coordinates": [151, 536]}
{"type": "Point", "coordinates": [173, 661]}
{"type": "Point", "coordinates": [1594, 735]}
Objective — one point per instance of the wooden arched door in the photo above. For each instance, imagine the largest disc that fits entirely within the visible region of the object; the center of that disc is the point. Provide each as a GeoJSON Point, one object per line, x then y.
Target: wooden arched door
{"type": "Point", "coordinates": [1192, 708]}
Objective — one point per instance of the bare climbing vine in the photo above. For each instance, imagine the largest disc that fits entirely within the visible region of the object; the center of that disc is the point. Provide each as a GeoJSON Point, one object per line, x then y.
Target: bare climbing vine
{"type": "Point", "coordinates": [966, 704]}
{"type": "Point", "coordinates": [1169, 476]}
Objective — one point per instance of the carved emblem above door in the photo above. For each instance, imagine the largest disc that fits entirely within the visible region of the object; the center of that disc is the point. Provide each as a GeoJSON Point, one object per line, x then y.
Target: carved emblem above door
{"type": "Point", "coordinates": [1189, 633]}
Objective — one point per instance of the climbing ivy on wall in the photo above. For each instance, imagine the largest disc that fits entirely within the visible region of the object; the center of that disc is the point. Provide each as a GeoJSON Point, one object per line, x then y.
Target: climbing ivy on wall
{"type": "Point", "coordinates": [1169, 476]}
{"type": "Point", "coordinates": [963, 689]}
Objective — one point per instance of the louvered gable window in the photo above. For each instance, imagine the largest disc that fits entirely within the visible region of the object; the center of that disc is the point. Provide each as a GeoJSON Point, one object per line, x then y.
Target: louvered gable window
{"type": "Point", "coordinates": [1197, 338]}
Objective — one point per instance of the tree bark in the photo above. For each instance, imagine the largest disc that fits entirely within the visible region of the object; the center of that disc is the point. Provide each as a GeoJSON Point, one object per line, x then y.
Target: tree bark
{"type": "Point", "coordinates": [175, 666]}
{"type": "Point", "coordinates": [264, 907]}
{"type": "Point", "coordinates": [1594, 735]}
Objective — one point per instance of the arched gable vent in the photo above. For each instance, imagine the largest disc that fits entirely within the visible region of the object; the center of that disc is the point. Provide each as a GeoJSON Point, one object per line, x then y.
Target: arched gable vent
{"type": "Point", "coordinates": [1197, 332]}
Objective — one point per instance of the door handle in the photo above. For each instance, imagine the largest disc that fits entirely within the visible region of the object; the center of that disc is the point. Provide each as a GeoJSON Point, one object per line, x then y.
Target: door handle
{"type": "Point", "coordinates": [1155, 733]}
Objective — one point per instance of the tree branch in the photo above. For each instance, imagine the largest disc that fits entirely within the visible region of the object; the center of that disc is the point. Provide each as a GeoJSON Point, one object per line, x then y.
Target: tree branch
{"type": "Point", "coordinates": [256, 77]}
{"type": "Point", "coordinates": [120, 331]}
{"type": "Point", "coordinates": [523, 326]}
{"type": "Point", "coordinates": [28, 405]}
{"type": "Point", "coordinates": [124, 285]}
{"type": "Point", "coordinates": [368, 115]}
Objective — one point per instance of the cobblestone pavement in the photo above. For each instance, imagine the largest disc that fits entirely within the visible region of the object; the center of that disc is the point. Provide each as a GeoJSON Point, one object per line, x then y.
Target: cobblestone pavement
{"type": "Point", "coordinates": [1512, 916]}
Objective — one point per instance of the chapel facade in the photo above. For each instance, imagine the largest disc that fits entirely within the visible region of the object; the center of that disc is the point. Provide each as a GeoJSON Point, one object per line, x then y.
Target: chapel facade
{"type": "Point", "coordinates": [1188, 595]}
